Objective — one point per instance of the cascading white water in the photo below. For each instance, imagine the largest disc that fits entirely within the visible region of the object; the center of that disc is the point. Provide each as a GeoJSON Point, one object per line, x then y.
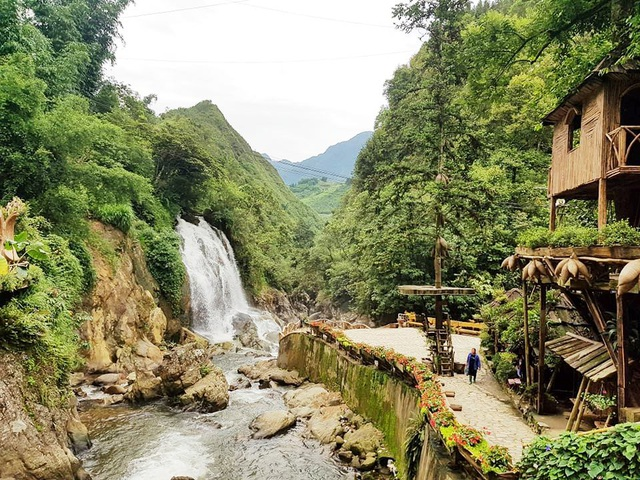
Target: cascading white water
{"type": "Point", "coordinates": [218, 301]}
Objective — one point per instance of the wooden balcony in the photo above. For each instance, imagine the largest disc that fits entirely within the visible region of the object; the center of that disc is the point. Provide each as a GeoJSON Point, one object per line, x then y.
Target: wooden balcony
{"type": "Point", "coordinates": [624, 148]}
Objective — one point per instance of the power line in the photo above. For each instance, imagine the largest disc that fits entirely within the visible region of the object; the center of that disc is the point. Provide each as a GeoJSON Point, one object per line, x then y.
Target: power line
{"type": "Point", "coordinates": [316, 170]}
{"type": "Point", "coordinates": [262, 62]}
{"type": "Point", "coordinates": [210, 5]}
{"type": "Point", "coordinates": [308, 175]}
{"type": "Point", "coordinates": [316, 17]}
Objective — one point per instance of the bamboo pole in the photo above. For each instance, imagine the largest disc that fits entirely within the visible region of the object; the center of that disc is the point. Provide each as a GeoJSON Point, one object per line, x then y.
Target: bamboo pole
{"type": "Point", "coordinates": [527, 346]}
{"type": "Point", "coordinates": [602, 204]}
{"type": "Point", "coordinates": [621, 357]}
{"type": "Point", "coordinates": [542, 348]}
{"type": "Point", "coordinates": [582, 408]}
{"type": "Point", "coordinates": [576, 404]}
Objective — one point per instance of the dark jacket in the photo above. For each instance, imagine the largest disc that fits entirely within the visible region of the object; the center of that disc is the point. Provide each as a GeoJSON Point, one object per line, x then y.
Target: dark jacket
{"type": "Point", "coordinates": [473, 362]}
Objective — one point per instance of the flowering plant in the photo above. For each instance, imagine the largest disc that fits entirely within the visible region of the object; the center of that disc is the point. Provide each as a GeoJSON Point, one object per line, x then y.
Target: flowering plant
{"type": "Point", "coordinates": [433, 405]}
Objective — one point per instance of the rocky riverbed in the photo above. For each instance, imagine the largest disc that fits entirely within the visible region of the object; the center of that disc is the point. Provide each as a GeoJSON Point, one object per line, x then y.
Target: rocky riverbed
{"type": "Point", "coordinates": [265, 423]}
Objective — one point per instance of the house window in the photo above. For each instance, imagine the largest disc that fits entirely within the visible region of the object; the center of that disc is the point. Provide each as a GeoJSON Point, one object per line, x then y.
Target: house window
{"type": "Point", "coordinates": [574, 122]}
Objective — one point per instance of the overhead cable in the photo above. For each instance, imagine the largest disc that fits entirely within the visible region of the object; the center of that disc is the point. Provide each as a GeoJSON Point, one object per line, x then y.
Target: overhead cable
{"type": "Point", "coordinates": [261, 62]}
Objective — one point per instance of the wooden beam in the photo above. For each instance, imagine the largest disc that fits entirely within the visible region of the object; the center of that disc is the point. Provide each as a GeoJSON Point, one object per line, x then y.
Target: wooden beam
{"type": "Point", "coordinates": [600, 323]}
{"type": "Point", "coordinates": [602, 203]}
{"type": "Point", "coordinates": [576, 404]}
{"type": "Point", "coordinates": [542, 348]}
{"type": "Point", "coordinates": [621, 356]}
{"type": "Point", "coordinates": [552, 214]}
{"type": "Point", "coordinates": [527, 343]}
{"type": "Point", "coordinates": [582, 408]}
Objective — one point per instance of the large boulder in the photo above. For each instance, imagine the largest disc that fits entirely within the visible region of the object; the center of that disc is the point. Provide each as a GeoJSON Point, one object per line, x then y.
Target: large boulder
{"type": "Point", "coordinates": [325, 424]}
{"type": "Point", "coordinates": [245, 331]}
{"type": "Point", "coordinates": [269, 424]}
{"type": "Point", "coordinates": [209, 394]}
{"type": "Point", "coordinates": [313, 396]}
{"type": "Point", "coordinates": [363, 440]}
{"type": "Point", "coordinates": [183, 366]}
{"type": "Point", "coordinates": [147, 386]}
{"type": "Point", "coordinates": [267, 371]}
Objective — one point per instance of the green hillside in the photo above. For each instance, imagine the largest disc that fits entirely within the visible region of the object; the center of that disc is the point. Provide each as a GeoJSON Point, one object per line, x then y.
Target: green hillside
{"type": "Point", "coordinates": [320, 195]}
{"type": "Point", "coordinates": [246, 198]}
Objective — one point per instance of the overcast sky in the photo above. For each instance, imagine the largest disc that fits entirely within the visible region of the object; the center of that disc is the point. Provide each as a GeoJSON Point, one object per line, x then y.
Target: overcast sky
{"type": "Point", "coordinates": [292, 77]}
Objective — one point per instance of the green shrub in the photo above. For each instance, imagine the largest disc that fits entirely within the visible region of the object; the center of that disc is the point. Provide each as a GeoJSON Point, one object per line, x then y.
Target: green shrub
{"type": "Point", "coordinates": [619, 233]}
{"type": "Point", "coordinates": [616, 233]}
{"type": "Point", "coordinates": [40, 322]}
{"type": "Point", "coordinates": [504, 365]}
{"type": "Point", "coordinates": [614, 454]}
{"type": "Point", "coordinates": [573, 236]}
{"type": "Point", "coordinates": [81, 252]}
{"type": "Point", "coordinates": [534, 237]}
{"type": "Point", "coordinates": [164, 262]}
{"type": "Point", "coordinates": [118, 215]}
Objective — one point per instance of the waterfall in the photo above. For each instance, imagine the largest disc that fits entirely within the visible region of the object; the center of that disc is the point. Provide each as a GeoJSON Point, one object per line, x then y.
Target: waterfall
{"type": "Point", "coordinates": [220, 310]}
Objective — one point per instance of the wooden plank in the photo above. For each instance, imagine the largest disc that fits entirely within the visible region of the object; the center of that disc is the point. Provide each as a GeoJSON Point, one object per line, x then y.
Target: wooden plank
{"type": "Point", "coordinates": [585, 355]}
{"type": "Point", "coordinates": [611, 370]}
{"type": "Point", "coordinates": [593, 364]}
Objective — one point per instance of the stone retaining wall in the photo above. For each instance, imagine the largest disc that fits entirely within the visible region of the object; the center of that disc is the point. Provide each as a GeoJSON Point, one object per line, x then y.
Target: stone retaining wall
{"type": "Point", "coordinates": [387, 401]}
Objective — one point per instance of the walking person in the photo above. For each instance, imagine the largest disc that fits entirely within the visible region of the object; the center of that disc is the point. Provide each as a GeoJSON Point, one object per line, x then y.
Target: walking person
{"type": "Point", "coordinates": [473, 363]}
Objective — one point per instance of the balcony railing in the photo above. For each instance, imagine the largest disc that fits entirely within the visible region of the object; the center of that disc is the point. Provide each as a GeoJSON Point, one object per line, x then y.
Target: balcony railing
{"type": "Point", "coordinates": [625, 147]}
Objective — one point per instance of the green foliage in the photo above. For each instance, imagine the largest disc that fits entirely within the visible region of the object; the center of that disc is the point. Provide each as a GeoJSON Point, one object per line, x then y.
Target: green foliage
{"type": "Point", "coordinates": [414, 445]}
{"type": "Point", "coordinates": [320, 195]}
{"type": "Point", "coordinates": [597, 401]}
{"type": "Point", "coordinates": [614, 454]}
{"type": "Point", "coordinates": [504, 366]}
{"type": "Point", "coordinates": [39, 319]}
{"type": "Point", "coordinates": [120, 216]}
{"type": "Point", "coordinates": [534, 237]}
{"type": "Point", "coordinates": [615, 233]}
{"type": "Point", "coordinates": [164, 262]}
{"type": "Point", "coordinates": [619, 233]}
{"type": "Point", "coordinates": [573, 236]}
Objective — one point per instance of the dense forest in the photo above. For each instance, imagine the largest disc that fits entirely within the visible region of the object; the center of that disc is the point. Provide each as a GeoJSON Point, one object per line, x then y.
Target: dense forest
{"type": "Point", "coordinates": [460, 151]}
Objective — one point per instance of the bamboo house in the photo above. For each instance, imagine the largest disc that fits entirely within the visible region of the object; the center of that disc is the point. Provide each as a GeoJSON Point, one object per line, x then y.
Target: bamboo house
{"type": "Point", "coordinates": [595, 156]}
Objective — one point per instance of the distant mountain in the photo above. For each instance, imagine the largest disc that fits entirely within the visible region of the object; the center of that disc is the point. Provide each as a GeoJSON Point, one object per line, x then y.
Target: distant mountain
{"type": "Point", "coordinates": [335, 164]}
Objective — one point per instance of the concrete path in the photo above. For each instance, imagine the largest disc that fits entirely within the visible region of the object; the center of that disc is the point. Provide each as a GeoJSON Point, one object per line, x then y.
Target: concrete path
{"type": "Point", "coordinates": [485, 405]}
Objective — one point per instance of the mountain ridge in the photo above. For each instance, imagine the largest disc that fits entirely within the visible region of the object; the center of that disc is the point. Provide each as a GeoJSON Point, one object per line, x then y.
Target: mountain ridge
{"type": "Point", "coordinates": [335, 164]}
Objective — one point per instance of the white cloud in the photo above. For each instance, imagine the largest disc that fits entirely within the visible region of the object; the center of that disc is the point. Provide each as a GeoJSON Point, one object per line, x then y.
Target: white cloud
{"type": "Point", "coordinates": [289, 83]}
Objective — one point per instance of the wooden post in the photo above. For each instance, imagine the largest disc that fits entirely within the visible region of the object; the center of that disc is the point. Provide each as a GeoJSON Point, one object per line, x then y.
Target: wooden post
{"type": "Point", "coordinates": [439, 321]}
{"type": "Point", "coordinates": [582, 408]}
{"type": "Point", "coordinates": [602, 203]}
{"type": "Point", "coordinates": [542, 349]}
{"type": "Point", "coordinates": [576, 404]}
{"type": "Point", "coordinates": [621, 358]}
{"type": "Point", "coordinates": [552, 214]}
{"type": "Point", "coordinates": [527, 346]}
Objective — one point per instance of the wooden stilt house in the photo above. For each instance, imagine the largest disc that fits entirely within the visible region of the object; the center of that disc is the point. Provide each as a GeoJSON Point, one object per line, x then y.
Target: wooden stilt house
{"type": "Point", "coordinates": [595, 156]}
